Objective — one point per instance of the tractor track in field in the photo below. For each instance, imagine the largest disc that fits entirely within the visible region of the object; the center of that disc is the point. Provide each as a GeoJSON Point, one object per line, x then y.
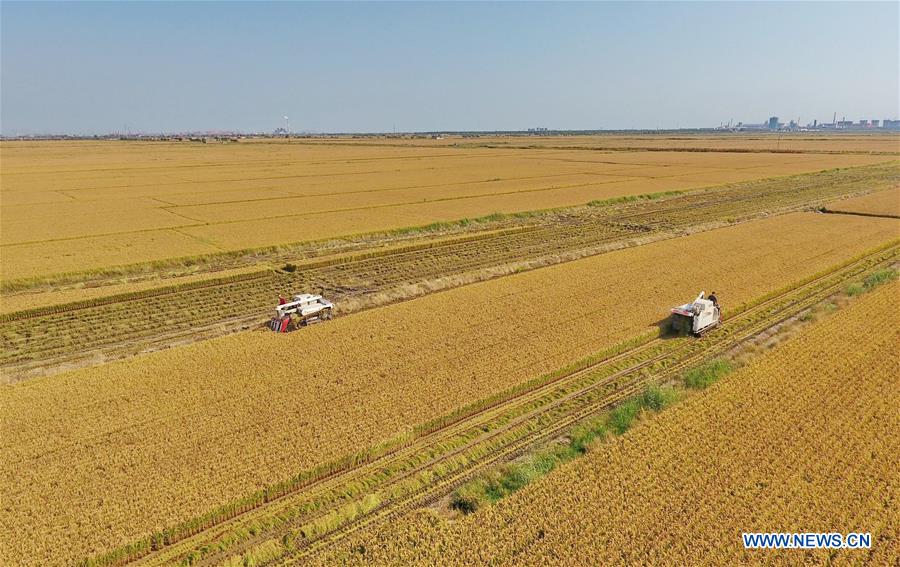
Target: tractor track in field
{"type": "Point", "coordinates": [428, 467]}
{"type": "Point", "coordinates": [38, 342]}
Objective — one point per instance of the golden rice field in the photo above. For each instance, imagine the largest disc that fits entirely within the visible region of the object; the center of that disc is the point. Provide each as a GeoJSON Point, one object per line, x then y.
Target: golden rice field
{"type": "Point", "coordinates": [803, 439]}
{"type": "Point", "coordinates": [885, 203]}
{"type": "Point", "coordinates": [75, 206]}
{"type": "Point", "coordinates": [803, 142]}
{"type": "Point", "coordinates": [95, 458]}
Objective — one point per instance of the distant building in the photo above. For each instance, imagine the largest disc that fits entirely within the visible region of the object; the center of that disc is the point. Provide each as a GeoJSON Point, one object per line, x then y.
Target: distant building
{"type": "Point", "coordinates": [743, 127]}
{"type": "Point", "coordinates": [773, 123]}
{"type": "Point", "coordinates": [875, 123]}
{"type": "Point", "coordinates": [890, 124]}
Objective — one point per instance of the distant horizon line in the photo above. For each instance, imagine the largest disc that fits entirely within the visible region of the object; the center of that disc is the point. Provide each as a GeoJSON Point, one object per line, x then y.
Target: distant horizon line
{"type": "Point", "coordinates": [281, 133]}
{"type": "Point", "coordinates": [281, 130]}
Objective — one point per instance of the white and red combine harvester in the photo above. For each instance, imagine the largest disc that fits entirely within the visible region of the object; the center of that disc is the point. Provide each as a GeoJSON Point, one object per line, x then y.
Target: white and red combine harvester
{"type": "Point", "coordinates": [303, 310]}
{"type": "Point", "coordinates": [697, 317]}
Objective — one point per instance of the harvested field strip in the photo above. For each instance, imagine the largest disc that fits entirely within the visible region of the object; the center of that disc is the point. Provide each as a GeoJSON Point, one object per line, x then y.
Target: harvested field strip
{"type": "Point", "coordinates": [457, 443]}
{"type": "Point", "coordinates": [252, 295]}
{"type": "Point", "coordinates": [754, 453]}
{"type": "Point", "coordinates": [35, 339]}
{"type": "Point", "coordinates": [172, 433]}
{"type": "Point", "coordinates": [213, 282]}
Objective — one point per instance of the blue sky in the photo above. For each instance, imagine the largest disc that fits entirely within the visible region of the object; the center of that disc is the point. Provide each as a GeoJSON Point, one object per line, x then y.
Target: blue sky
{"type": "Point", "coordinates": [176, 66]}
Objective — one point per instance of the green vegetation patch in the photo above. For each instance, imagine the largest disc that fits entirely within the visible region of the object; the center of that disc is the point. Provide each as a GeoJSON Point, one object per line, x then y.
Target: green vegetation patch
{"type": "Point", "coordinates": [706, 374]}
{"type": "Point", "coordinates": [872, 281]}
{"type": "Point", "coordinates": [634, 198]}
{"type": "Point", "coordinates": [498, 483]}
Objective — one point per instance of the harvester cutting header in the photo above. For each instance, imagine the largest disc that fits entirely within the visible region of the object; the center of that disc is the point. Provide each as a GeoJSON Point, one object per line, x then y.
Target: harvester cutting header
{"type": "Point", "coordinates": [302, 310]}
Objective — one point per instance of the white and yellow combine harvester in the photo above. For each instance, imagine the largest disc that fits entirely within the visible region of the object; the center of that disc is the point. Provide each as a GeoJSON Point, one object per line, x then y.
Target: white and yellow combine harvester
{"type": "Point", "coordinates": [697, 317]}
{"type": "Point", "coordinates": [302, 310]}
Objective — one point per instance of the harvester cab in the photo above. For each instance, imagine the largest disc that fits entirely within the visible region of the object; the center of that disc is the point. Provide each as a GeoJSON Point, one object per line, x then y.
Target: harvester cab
{"type": "Point", "coordinates": [302, 310]}
{"type": "Point", "coordinates": [697, 317]}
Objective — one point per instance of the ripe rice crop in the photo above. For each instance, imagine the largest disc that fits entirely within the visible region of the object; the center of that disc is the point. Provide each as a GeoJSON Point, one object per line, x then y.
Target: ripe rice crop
{"type": "Point", "coordinates": [21, 302]}
{"type": "Point", "coordinates": [96, 251]}
{"type": "Point", "coordinates": [763, 142]}
{"type": "Point", "coordinates": [160, 438]}
{"type": "Point", "coordinates": [803, 439]}
{"type": "Point", "coordinates": [759, 142]}
{"type": "Point", "coordinates": [89, 205]}
{"type": "Point", "coordinates": [884, 203]}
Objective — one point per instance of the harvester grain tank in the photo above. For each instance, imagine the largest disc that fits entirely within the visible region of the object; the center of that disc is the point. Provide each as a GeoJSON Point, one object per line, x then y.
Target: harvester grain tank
{"type": "Point", "coordinates": [697, 317]}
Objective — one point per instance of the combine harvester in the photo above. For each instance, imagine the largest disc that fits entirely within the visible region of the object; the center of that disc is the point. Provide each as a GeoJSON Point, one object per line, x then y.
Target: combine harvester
{"type": "Point", "coordinates": [697, 317]}
{"type": "Point", "coordinates": [303, 310]}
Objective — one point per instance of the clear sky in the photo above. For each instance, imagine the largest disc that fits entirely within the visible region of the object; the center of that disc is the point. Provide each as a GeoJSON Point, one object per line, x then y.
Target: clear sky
{"type": "Point", "coordinates": [178, 66]}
